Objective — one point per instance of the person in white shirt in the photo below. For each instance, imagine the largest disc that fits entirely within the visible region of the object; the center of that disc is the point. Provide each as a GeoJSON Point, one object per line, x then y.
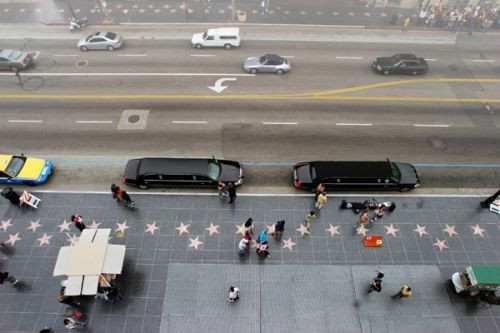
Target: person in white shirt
{"type": "Point", "coordinates": [233, 294]}
{"type": "Point", "coordinates": [243, 246]}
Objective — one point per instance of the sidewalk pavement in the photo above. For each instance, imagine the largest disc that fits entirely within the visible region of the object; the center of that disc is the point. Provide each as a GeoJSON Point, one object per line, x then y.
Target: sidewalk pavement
{"type": "Point", "coordinates": [178, 245]}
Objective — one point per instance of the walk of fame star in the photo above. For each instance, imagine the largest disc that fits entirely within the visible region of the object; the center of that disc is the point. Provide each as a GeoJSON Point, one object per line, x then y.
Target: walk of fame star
{"type": "Point", "coordinates": [13, 239]}
{"type": "Point", "coordinates": [478, 230]}
{"type": "Point", "coordinates": [362, 230]}
{"type": "Point", "coordinates": [333, 230]}
{"type": "Point", "coordinates": [151, 228]}
{"type": "Point", "coordinates": [287, 244]}
{"type": "Point", "coordinates": [44, 239]}
{"type": "Point", "coordinates": [450, 229]}
{"type": "Point", "coordinates": [441, 244]}
{"type": "Point", "coordinates": [270, 229]}
{"type": "Point", "coordinates": [34, 225]}
{"type": "Point", "coordinates": [195, 242]}
{"type": "Point", "coordinates": [94, 225]}
{"type": "Point", "coordinates": [421, 230]}
{"type": "Point", "coordinates": [121, 227]}
{"type": "Point", "coordinates": [391, 230]}
{"type": "Point", "coordinates": [6, 224]}
{"type": "Point", "coordinates": [64, 226]}
{"type": "Point", "coordinates": [72, 239]}
{"type": "Point", "coordinates": [183, 228]}
{"type": "Point", "coordinates": [213, 229]}
{"type": "Point", "coordinates": [303, 230]}
{"type": "Point", "coordinates": [240, 229]}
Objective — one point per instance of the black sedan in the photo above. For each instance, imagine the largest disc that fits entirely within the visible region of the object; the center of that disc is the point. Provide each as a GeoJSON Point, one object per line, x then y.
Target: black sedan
{"type": "Point", "coordinates": [363, 175]}
{"type": "Point", "coordinates": [146, 172]}
{"type": "Point", "coordinates": [401, 63]}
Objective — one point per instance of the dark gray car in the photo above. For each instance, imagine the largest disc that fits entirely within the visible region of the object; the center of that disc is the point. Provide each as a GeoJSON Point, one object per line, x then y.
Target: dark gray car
{"type": "Point", "coordinates": [100, 41]}
{"type": "Point", "coordinates": [15, 60]}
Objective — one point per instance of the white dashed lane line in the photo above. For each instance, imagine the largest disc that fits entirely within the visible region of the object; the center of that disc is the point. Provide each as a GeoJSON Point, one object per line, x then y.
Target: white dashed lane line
{"type": "Point", "coordinates": [430, 59]}
{"type": "Point", "coordinates": [431, 125]}
{"type": "Point", "coordinates": [278, 123]}
{"type": "Point", "coordinates": [65, 55]}
{"type": "Point", "coordinates": [202, 55]}
{"type": "Point", "coordinates": [24, 121]}
{"type": "Point", "coordinates": [189, 122]}
{"type": "Point", "coordinates": [483, 60]}
{"type": "Point", "coordinates": [93, 121]}
{"type": "Point", "coordinates": [350, 58]}
{"type": "Point", "coordinates": [352, 124]}
{"type": "Point", "coordinates": [131, 55]}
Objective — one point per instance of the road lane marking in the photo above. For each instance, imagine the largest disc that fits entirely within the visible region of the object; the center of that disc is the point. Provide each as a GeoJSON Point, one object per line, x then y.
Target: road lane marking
{"type": "Point", "coordinates": [352, 124]}
{"type": "Point", "coordinates": [37, 53]}
{"type": "Point", "coordinates": [131, 55]}
{"type": "Point", "coordinates": [287, 56]}
{"type": "Point", "coordinates": [128, 74]}
{"type": "Point", "coordinates": [430, 59]}
{"type": "Point", "coordinates": [278, 123]}
{"type": "Point", "coordinates": [202, 55]}
{"type": "Point", "coordinates": [93, 121]}
{"type": "Point", "coordinates": [189, 122]}
{"type": "Point", "coordinates": [483, 60]}
{"type": "Point", "coordinates": [65, 55]}
{"type": "Point", "coordinates": [25, 121]}
{"type": "Point", "coordinates": [431, 125]}
{"type": "Point", "coordinates": [353, 58]}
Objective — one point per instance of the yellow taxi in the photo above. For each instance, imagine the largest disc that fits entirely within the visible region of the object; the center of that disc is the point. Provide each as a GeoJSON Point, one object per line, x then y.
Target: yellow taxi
{"type": "Point", "coordinates": [18, 170]}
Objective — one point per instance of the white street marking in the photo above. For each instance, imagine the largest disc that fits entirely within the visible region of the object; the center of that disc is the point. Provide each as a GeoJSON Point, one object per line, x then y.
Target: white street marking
{"type": "Point", "coordinates": [287, 56]}
{"type": "Point", "coordinates": [352, 124]}
{"type": "Point", "coordinates": [188, 122]}
{"type": "Point", "coordinates": [431, 125]}
{"type": "Point", "coordinates": [132, 55]}
{"type": "Point", "coordinates": [218, 87]}
{"type": "Point", "coordinates": [93, 121]}
{"type": "Point", "coordinates": [65, 55]}
{"type": "Point", "coordinates": [202, 55]}
{"type": "Point", "coordinates": [25, 121]}
{"type": "Point", "coordinates": [278, 123]}
{"type": "Point", "coordinates": [37, 53]}
{"type": "Point", "coordinates": [483, 60]}
{"type": "Point", "coordinates": [354, 58]}
{"type": "Point", "coordinates": [430, 59]}
{"type": "Point", "coordinates": [131, 74]}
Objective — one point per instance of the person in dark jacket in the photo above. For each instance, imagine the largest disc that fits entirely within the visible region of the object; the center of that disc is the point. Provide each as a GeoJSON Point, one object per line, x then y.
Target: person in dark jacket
{"type": "Point", "coordinates": [77, 220]}
{"type": "Point", "coordinates": [231, 188]}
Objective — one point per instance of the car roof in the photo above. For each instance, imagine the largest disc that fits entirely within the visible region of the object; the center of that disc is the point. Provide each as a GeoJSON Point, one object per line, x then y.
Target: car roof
{"type": "Point", "coordinates": [224, 31]}
{"type": "Point", "coordinates": [358, 169]}
{"type": "Point", "coordinates": [406, 56]}
{"type": "Point", "coordinates": [272, 56]}
{"type": "Point", "coordinates": [173, 166]}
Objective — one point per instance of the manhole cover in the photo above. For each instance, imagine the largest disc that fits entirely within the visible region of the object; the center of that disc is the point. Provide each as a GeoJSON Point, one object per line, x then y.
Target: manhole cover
{"type": "Point", "coordinates": [437, 144]}
{"type": "Point", "coordinates": [133, 119]}
{"type": "Point", "coordinates": [82, 63]}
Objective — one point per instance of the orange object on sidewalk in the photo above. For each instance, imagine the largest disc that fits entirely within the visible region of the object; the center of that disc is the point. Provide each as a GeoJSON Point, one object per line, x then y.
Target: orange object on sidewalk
{"type": "Point", "coordinates": [373, 241]}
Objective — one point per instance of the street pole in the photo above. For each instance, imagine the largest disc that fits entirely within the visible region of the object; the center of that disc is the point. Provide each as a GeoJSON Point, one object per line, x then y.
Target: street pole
{"type": "Point", "coordinates": [71, 9]}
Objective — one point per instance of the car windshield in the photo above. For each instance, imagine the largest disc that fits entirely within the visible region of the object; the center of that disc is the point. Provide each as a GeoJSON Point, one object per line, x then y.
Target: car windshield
{"type": "Point", "coordinates": [111, 35]}
{"type": "Point", "coordinates": [213, 170]}
{"type": "Point", "coordinates": [16, 55]}
{"type": "Point", "coordinates": [205, 35]}
{"type": "Point", "coordinates": [396, 174]}
{"type": "Point", "coordinates": [262, 60]}
{"type": "Point", "coordinates": [15, 166]}
{"type": "Point", "coordinates": [313, 172]}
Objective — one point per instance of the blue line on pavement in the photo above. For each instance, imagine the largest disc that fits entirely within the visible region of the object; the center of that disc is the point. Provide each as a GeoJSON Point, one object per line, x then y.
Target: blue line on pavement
{"type": "Point", "coordinates": [122, 162]}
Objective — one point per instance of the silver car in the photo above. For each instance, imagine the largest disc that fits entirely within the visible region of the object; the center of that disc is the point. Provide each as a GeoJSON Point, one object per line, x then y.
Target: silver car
{"type": "Point", "coordinates": [268, 63]}
{"type": "Point", "coordinates": [104, 40]}
{"type": "Point", "coordinates": [15, 60]}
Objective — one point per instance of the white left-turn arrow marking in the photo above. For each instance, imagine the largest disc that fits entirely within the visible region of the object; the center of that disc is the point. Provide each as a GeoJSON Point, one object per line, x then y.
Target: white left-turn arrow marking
{"type": "Point", "coordinates": [218, 87]}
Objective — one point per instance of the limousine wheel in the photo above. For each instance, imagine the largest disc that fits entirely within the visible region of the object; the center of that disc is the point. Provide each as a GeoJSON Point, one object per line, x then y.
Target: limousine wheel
{"type": "Point", "coordinates": [386, 72]}
{"type": "Point", "coordinates": [404, 189]}
{"type": "Point", "coordinates": [414, 73]}
{"type": "Point", "coordinates": [198, 46]}
{"type": "Point", "coordinates": [227, 46]}
{"type": "Point", "coordinates": [143, 187]}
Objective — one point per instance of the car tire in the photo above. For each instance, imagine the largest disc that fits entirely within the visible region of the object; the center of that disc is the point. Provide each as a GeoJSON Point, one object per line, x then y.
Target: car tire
{"type": "Point", "coordinates": [414, 73]}
{"type": "Point", "coordinates": [14, 69]}
{"type": "Point", "coordinates": [280, 72]}
{"type": "Point", "coordinates": [254, 71]}
{"type": "Point", "coordinates": [84, 48]}
{"type": "Point", "coordinates": [386, 72]}
{"type": "Point", "coordinates": [405, 189]}
{"type": "Point", "coordinates": [227, 46]}
{"type": "Point", "coordinates": [198, 46]}
{"type": "Point", "coordinates": [110, 48]}
{"type": "Point", "coordinates": [143, 186]}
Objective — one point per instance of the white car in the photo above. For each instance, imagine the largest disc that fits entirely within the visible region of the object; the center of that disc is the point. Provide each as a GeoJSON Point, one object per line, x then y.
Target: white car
{"type": "Point", "coordinates": [222, 37]}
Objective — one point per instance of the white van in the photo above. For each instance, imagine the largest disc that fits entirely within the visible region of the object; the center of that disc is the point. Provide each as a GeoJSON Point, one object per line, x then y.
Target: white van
{"type": "Point", "coordinates": [221, 37]}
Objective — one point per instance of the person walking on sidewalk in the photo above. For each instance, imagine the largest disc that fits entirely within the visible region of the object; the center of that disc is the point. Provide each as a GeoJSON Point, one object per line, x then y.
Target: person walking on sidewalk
{"type": "Point", "coordinates": [4, 276]}
{"type": "Point", "coordinates": [262, 236]}
{"type": "Point", "coordinates": [77, 220]}
{"type": "Point", "coordinates": [321, 200]}
{"type": "Point", "coordinates": [404, 292]}
{"type": "Point", "coordinates": [365, 216]}
{"type": "Point", "coordinates": [243, 246]}
{"type": "Point", "coordinates": [221, 188]}
{"type": "Point", "coordinates": [319, 189]}
{"type": "Point", "coordinates": [249, 229]}
{"type": "Point", "coordinates": [233, 294]}
{"type": "Point", "coordinates": [376, 285]}
{"type": "Point", "coordinates": [116, 191]}
{"type": "Point", "coordinates": [279, 228]}
{"type": "Point", "coordinates": [309, 218]}
{"type": "Point", "coordinates": [263, 249]}
{"type": "Point", "coordinates": [73, 324]}
{"type": "Point", "coordinates": [231, 189]}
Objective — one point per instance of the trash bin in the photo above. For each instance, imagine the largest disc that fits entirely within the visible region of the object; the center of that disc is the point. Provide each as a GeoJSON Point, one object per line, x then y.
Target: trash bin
{"type": "Point", "coordinates": [11, 195]}
{"type": "Point", "coordinates": [241, 16]}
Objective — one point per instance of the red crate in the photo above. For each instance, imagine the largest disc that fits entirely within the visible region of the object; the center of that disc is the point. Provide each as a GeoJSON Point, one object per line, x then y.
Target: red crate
{"type": "Point", "coordinates": [373, 241]}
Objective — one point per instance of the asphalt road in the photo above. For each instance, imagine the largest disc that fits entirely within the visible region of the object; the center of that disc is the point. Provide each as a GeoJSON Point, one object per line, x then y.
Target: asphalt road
{"type": "Point", "coordinates": [451, 136]}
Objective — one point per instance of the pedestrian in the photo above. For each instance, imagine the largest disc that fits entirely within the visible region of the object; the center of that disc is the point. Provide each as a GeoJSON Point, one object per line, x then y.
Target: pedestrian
{"type": "Point", "coordinates": [279, 227]}
{"type": "Point", "coordinates": [11, 195]}
{"type": "Point", "coordinates": [113, 293]}
{"type": "Point", "coordinates": [243, 246]}
{"type": "Point", "coordinates": [77, 220]}
{"type": "Point", "coordinates": [231, 189]}
{"type": "Point", "coordinates": [363, 218]}
{"type": "Point", "coordinates": [262, 236]}
{"type": "Point", "coordinates": [406, 22]}
{"type": "Point", "coordinates": [73, 323]}
{"type": "Point", "coordinates": [486, 203]}
{"type": "Point", "coordinates": [4, 276]}
{"type": "Point", "coordinates": [321, 200]}
{"type": "Point", "coordinates": [376, 285]}
{"type": "Point", "coordinates": [127, 200]}
{"type": "Point", "coordinates": [233, 294]}
{"type": "Point", "coordinates": [404, 292]}
{"type": "Point", "coordinates": [221, 188]}
{"type": "Point", "coordinates": [309, 218]}
{"type": "Point", "coordinates": [263, 249]}
{"type": "Point", "coordinates": [249, 229]}
{"type": "Point", "coordinates": [46, 330]}
{"type": "Point", "coordinates": [319, 189]}
{"type": "Point", "coordinates": [68, 300]}
{"type": "Point", "coordinates": [115, 191]}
